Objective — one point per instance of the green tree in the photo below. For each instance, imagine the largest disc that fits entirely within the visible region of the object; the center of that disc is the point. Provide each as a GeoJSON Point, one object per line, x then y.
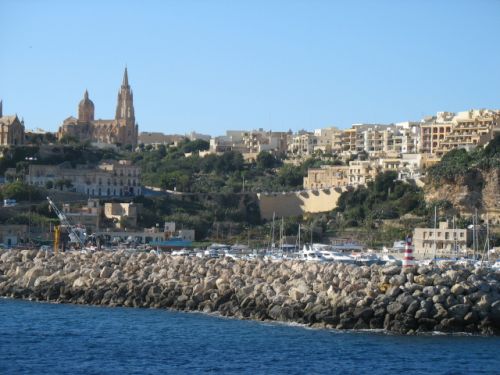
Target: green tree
{"type": "Point", "coordinates": [266, 160]}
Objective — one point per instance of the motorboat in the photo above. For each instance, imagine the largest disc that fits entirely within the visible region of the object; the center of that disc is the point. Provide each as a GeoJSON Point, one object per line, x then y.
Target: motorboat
{"type": "Point", "coordinates": [366, 259]}
{"type": "Point", "coordinates": [391, 259]}
{"type": "Point", "coordinates": [334, 256]}
{"type": "Point", "coordinates": [310, 254]}
{"type": "Point", "coordinates": [211, 253]}
{"type": "Point", "coordinates": [181, 252]}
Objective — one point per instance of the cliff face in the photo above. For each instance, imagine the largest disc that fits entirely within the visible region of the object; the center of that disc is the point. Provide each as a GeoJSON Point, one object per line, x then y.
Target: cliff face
{"type": "Point", "coordinates": [478, 189]}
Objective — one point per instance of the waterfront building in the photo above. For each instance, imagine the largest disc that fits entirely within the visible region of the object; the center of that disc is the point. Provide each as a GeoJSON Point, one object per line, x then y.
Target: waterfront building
{"type": "Point", "coordinates": [121, 130]}
{"type": "Point", "coordinates": [443, 241]}
{"type": "Point", "coordinates": [11, 129]}
{"type": "Point", "coordinates": [12, 234]}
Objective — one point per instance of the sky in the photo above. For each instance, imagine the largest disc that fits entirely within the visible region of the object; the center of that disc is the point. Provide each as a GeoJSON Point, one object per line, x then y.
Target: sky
{"type": "Point", "coordinates": [211, 66]}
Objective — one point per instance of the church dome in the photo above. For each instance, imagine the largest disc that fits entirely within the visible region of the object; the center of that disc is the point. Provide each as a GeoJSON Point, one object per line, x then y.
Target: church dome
{"type": "Point", "coordinates": [86, 109]}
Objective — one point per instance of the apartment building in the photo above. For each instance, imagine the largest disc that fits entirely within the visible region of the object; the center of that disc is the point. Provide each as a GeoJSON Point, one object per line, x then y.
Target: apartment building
{"type": "Point", "coordinates": [328, 140]}
{"type": "Point", "coordinates": [433, 130]}
{"type": "Point", "coordinates": [302, 144]}
{"type": "Point", "coordinates": [250, 142]}
{"type": "Point", "coordinates": [470, 129]}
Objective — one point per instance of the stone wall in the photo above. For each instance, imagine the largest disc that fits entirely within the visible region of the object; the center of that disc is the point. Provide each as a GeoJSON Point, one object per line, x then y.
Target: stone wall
{"type": "Point", "coordinates": [289, 204]}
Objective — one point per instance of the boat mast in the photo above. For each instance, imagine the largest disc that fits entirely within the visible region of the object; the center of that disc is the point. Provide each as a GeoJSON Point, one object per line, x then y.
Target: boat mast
{"type": "Point", "coordinates": [298, 247]}
{"type": "Point", "coordinates": [311, 235]}
{"type": "Point", "coordinates": [455, 250]}
{"type": "Point", "coordinates": [272, 231]}
{"type": "Point", "coordinates": [474, 235]}
{"type": "Point", "coordinates": [435, 231]}
{"type": "Point", "coordinates": [487, 242]}
{"type": "Point", "coordinates": [282, 230]}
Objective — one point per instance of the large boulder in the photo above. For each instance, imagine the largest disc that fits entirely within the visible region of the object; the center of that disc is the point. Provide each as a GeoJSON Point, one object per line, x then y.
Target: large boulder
{"type": "Point", "coordinates": [459, 311]}
{"type": "Point", "coordinates": [32, 274]}
{"type": "Point", "coordinates": [106, 272]}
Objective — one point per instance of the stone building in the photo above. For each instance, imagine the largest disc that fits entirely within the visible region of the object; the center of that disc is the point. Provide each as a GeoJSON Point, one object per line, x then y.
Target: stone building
{"type": "Point", "coordinates": [441, 242]}
{"type": "Point", "coordinates": [123, 214]}
{"type": "Point", "coordinates": [121, 130]}
{"type": "Point", "coordinates": [110, 178]}
{"type": "Point", "coordinates": [88, 216]}
{"type": "Point", "coordinates": [11, 129]}
{"type": "Point", "coordinates": [327, 176]}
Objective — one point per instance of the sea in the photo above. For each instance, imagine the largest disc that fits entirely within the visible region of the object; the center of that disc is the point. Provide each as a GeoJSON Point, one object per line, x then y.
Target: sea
{"type": "Point", "coordinates": [45, 338]}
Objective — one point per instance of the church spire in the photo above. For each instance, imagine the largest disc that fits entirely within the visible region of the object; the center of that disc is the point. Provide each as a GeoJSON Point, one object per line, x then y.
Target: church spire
{"type": "Point", "coordinates": [1, 108]}
{"type": "Point", "coordinates": [125, 106]}
{"type": "Point", "coordinates": [125, 78]}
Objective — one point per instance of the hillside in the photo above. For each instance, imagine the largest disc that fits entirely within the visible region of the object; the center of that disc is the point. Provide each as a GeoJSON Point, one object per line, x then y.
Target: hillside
{"type": "Point", "coordinates": [468, 180]}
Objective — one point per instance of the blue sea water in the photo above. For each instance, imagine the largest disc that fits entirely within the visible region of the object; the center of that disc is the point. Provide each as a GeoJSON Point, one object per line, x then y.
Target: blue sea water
{"type": "Point", "coordinates": [42, 338]}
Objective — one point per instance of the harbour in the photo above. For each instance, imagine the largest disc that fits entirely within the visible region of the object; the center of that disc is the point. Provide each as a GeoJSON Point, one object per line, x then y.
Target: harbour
{"type": "Point", "coordinates": [90, 339]}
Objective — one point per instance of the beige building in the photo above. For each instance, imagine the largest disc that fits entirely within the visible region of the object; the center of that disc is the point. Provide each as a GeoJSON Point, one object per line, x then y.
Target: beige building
{"type": "Point", "coordinates": [328, 140]}
{"type": "Point", "coordinates": [157, 138]}
{"type": "Point", "coordinates": [123, 214]}
{"type": "Point", "coordinates": [88, 216]}
{"type": "Point", "coordinates": [440, 242]}
{"type": "Point", "coordinates": [447, 131]}
{"type": "Point", "coordinates": [250, 142]}
{"type": "Point", "coordinates": [326, 177]}
{"type": "Point", "coordinates": [109, 179]}
{"type": "Point", "coordinates": [302, 144]}
{"type": "Point", "coordinates": [361, 172]}
{"type": "Point", "coordinates": [433, 131]}
{"type": "Point", "coordinates": [121, 130]}
{"type": "Point", "coordinates": [470, 129]}
{"type": "Point", "coordinates": [11, 129]}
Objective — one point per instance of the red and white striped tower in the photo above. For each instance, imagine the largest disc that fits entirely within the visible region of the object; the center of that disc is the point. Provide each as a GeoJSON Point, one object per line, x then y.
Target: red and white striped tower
{"type": "Point", "coordinates": [408, 259]}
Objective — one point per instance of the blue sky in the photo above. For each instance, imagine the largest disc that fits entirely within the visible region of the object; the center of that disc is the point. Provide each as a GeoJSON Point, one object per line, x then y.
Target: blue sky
{"type": "Point", "coordinates": [210, 66]}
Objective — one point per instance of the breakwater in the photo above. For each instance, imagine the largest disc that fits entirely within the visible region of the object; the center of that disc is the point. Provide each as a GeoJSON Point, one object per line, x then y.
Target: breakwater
{"type": "Point", "coordinates": [319, 294]}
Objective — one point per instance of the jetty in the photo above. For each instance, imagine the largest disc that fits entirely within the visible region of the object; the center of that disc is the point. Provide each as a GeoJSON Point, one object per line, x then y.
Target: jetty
{"type": "Point", "coordinates": [410, 300]}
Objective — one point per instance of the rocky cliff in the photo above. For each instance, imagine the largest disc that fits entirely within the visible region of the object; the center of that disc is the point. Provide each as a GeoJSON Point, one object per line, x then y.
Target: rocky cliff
{"type": "Point", "coordinates": [478, 189]}
{"type": "Point", "coordinates": [326, 295]}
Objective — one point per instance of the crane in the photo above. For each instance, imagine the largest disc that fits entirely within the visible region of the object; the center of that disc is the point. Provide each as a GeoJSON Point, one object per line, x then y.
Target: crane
{"type": "Point", "coordinates": [73, 234]}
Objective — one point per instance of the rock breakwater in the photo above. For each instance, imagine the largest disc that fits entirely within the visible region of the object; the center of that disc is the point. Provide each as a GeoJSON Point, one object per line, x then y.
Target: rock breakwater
{"type": "Point", "coordinates": [318, 294]}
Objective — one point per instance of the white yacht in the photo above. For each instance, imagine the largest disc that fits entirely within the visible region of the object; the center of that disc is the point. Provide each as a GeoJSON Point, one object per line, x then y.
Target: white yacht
{"type": "Point", "coordinates": [310, 254]}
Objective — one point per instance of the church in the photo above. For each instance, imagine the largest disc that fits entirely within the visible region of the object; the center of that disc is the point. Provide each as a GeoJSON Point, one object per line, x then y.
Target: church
{"type": "Point", "coordinates": [122, 130]}
{"type": "Point", "coordinates": [11, 129]}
